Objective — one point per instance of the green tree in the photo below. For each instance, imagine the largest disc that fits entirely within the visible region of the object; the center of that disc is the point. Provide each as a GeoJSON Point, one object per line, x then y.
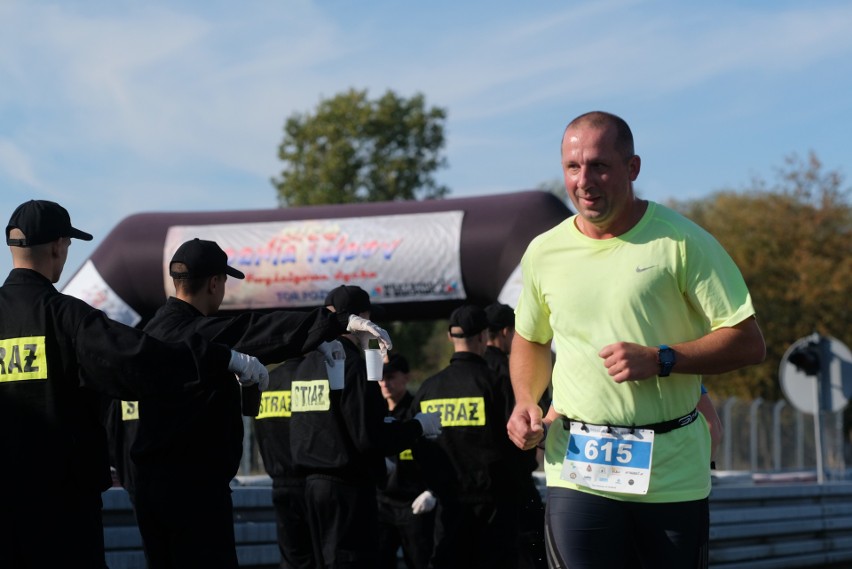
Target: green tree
{"type": "Point", "coordinates": [352, 149]}
{"type": "Point", "coordinates": [425, 344]}
{"type": "Point", "coordinates": [792, 240]}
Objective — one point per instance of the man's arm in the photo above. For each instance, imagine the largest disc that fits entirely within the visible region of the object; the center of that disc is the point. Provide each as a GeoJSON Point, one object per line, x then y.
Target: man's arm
{"type": "Point", "coordinates": [720, 351]}
{"type": "Point", "coordinates": [530, 368]}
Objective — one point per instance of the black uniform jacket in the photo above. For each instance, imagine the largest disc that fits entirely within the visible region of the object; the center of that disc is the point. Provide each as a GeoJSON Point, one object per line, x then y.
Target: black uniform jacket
{"type": "Point", "coordinates": [272, 425]}
{"type": "Point", "coordinates": [201, 430]}
{"type": "Point", "coordinates": [525, 460]}
{"type": "Point", "coordinates": [468, 461]}
{"type": "Point", "coordinates": [498, 362]}
{"type": "Point", "coordinates": [346, 437]}
{"type": "Point", "coordinates": [405, 482]}
{"type": "Point", "coordinates": [57, 355]}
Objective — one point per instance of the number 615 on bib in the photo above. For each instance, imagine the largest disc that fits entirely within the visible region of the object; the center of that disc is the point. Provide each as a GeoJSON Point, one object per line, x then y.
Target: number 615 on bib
{"type": "Point", "coordinates": [609, 459]}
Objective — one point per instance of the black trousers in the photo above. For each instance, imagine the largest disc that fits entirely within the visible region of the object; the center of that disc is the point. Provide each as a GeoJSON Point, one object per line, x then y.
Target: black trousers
{"type": "Point", "coordinates": [586, 531]}
{"type": "Point", "coordinates": [531, 518]}
{"type": "Point", "coordinates": [185, 524]}
{"type": "Point", "coordinates": [291, 519]}
{"type": "Point", "coordinates": [400, 527]}
{"type": "Point", "coordinates": [46, 528]}
{"type": "Point", "coordinates": [342, 519]}
{"type": "Point", "coordinates": [474, 535]}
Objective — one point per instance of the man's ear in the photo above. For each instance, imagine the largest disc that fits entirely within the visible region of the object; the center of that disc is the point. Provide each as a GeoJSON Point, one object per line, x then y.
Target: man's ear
{"type": "Point", "coordinates": [634, 166]}
{"type": "Point", "coordinates": [213, 284]}
{"type": "Point", "coordinates": [56, 248]}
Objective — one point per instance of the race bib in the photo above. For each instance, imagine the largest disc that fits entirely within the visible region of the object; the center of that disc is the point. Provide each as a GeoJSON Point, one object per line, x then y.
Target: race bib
{"type": "Point", "coordinates": [609, 459]}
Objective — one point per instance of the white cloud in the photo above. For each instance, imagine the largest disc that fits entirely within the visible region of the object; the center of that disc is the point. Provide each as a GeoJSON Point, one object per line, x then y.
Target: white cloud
{"type": "Point", "coordinates": [16, 165]}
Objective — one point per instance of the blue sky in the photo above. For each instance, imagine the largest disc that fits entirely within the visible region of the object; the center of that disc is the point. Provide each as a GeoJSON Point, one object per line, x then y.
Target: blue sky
{"type": "Point", "coordinates": [117, 107]}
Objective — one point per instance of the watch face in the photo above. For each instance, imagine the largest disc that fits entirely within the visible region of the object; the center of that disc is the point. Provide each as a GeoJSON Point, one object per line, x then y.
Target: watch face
{"type": "Point", "coordinates": [667, 356]}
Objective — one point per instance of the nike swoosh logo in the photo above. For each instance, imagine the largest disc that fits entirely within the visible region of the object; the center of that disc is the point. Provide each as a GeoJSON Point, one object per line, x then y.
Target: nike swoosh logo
{"type": "Point", "coordinates": [643, 269]}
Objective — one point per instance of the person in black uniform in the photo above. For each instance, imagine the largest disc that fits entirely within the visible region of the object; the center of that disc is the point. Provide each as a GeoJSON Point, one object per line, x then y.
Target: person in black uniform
{"type": "Point", "coordinates": [339, 440]}
{"type": "Point", "coordinates": [468, 467]}
{"type": "Point", "coordinates": [406, 506]}
{"type": "Point", "coordinates": [498, 345]}
{"type": "Point", "coordinates": [58, 358]}
{"type": "Point", "coordinates": [272, 429]}
{"type": "Point", "coordinates": [198, 435]}
{"type": "Point", "coordinates": [122, 423]}
{"type": "Point", "coordinates": [530, 508]}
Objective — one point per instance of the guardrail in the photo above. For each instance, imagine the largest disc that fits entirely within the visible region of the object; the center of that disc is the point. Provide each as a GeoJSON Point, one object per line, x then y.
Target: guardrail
{"type": "Point", "coordinates": [756, 522]}
{"type": "Point", "coordinates": [254, 528]}
{"type": "Point", "coordinates": [774, 525]}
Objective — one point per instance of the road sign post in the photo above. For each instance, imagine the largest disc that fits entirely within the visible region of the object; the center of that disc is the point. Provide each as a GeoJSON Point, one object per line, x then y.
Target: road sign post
{"type": "Point", "coordinates": [816, 377]}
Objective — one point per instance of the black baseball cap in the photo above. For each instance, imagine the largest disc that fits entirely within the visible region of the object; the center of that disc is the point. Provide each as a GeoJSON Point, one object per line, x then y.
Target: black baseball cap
{"type": "Point", "coordinates": [202, 259]}
{"type": "Point", "coordinates": [396, 362]}
{"type": "Point", "coordinates": [500, 315]}
{"type": "Point", "coordinates": [42, 221]}
{"type": "Point", "coordinates": [349, 299]}
{"type": "Point", "coordinates": [470, 318]}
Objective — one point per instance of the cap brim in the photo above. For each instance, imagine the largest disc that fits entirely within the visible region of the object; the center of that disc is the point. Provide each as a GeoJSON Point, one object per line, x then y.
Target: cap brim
{"type": "Point", "coordinates": [82, 235]}
{"type": "Point", "coordinates": [232, 272]}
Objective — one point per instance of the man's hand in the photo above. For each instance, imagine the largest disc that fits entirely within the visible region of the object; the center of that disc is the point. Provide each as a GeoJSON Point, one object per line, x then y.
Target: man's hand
{"type": "Point", "coordinates": [525, 427]}
{"type": "Point", "coordinates": [629, 362]}
{"type": "Point", "coordinates": [365, 330]}
{"type": "Point", "coordinates": [423, 503]}
{"type": "Point", "coordinates": [249, 370]}
{"type": "Point", "coordinates": [431, 423]}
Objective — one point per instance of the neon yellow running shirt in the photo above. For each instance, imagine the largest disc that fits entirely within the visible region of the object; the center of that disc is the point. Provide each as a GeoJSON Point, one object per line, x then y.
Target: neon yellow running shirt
{"type": "Point", "coordinates": [663, 282]}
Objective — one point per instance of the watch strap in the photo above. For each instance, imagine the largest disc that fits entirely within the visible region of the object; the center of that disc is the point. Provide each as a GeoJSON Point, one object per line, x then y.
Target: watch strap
{"type": "Point", "coordinates": [665, 359]}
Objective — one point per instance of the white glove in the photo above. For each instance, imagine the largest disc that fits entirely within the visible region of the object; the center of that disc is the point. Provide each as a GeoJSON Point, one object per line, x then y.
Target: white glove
{"type": "Point", "coordinates": [431, 423]}
{"type": "Point", "coordinates": [423, 503]}
{"type": "Point", "coordinates": [333, 351]}
{"type": "Point", "coordinates": [249, 370]}
{"type": "Point", "coordinates": [365, 331]}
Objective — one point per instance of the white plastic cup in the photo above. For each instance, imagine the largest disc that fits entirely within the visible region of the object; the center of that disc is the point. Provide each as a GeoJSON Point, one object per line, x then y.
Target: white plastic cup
{"type": "Point", "coordinates": [375, 364]}
{"type": "Point", "coordinates": [335, 374]}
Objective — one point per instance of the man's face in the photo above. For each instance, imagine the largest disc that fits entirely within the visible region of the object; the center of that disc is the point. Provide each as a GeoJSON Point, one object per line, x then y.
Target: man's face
{"type": "Point", "coordinates": [597, 177]}
{"type": "Point", "coordinates": [393, 384]}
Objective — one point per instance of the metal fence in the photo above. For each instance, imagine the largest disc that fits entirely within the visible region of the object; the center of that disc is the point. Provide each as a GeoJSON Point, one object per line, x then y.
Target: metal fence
{"type": "Point", "coordinates": [773, 436]}
{"type": "Point", "coordinates": [760, 436]}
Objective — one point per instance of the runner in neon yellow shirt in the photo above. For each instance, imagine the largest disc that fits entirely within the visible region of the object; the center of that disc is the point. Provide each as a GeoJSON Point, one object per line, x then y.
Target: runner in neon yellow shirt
{"type": "Point", "coordinates": [637, 302]}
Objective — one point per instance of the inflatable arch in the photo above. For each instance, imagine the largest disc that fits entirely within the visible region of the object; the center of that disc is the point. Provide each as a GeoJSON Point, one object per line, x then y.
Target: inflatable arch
{"type": "Point", "coordinates": [418, 259]}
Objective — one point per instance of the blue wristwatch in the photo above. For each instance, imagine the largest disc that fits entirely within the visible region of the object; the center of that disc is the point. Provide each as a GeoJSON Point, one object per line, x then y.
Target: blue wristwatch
{"type": "Point", "coordinates": [666, 359]}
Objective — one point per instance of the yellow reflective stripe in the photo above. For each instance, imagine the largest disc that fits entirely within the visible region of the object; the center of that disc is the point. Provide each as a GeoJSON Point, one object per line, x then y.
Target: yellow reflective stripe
{"type": "Point", "coordinates": [274, 404]}
{"type": "Point", "coordinates": [310, 396]}
{"type": "Point", "coordinates": [406, 455]}
{"type": "Point", "coordinates": [458, 412]}
{"type": "Point", "coordinates": [23, 359]}
{"type": "Point", "coordinates": [129, 410]}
